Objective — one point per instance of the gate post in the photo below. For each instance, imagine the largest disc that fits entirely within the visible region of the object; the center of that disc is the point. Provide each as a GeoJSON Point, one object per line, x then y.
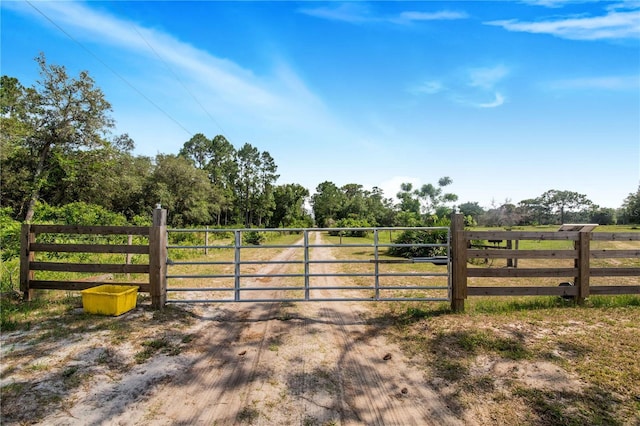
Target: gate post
{"type": "Point", "coordinates": [26, 257]}
{"type": "Point", "coordinates": [583, 265]}
{"type": "Point", "coordinates": [458, 263]}
{"type": "Point", "coordinates": [158, 259]}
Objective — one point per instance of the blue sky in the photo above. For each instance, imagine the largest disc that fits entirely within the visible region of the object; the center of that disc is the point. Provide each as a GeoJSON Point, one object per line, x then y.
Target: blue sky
{"type": "Point", "coordinates": [508, 98]}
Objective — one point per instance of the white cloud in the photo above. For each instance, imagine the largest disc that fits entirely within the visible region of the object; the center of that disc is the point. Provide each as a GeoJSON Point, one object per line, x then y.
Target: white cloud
{"type": "Point", "coordinates": [487, 78]}
{"type": "Point", "coordinates": [428, 87]}
{"type": "Point", "coordinates": [444, 15]}
{"type": "Point", "coordinates": [357, 13]}
{"type": "Point", "coordinates": [598, 83]}
{"type": "Point", "coordinates": [499, 100]}
{"type": "Point", "coordinates": [354, 13]}
{"type": "Point", "coordinates": [612, 26]}
{"type": "Point", "coordinates": [469, 87]}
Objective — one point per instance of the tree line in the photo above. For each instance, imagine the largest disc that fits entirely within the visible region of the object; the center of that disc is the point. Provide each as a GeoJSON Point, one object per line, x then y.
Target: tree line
{"type": "Point", "coordinates": [58, 149]}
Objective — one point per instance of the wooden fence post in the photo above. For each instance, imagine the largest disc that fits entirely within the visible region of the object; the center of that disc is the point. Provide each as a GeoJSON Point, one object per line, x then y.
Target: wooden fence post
{"type": "Point", "coordinates": [458, 263]}
{"type": "Point", "coordinates": [583, 265]}
{"type": "Point", "coordinates": [158, 259]}
{"type": "Point", "coordinates": [26, 256]}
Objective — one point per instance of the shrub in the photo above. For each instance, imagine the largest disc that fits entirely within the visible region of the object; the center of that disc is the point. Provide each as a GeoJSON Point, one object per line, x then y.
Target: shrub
{"type": "Point", "coordinates": [9, 235]}
{"type": "Point", "coordinates": [351, 223]}
{"type": "Point", "coordinates": [253, 238]}
{"type": "Point", "coordinates": [420, 237]}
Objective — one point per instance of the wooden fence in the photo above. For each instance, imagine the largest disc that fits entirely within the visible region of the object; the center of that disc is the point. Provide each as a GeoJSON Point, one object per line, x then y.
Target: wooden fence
{"type": "Point", "coordinates": [462, 251]}
{"type": "Point", "coordinates": [155, 249]}
{"type": "Point", "coordinates": [580, 273]}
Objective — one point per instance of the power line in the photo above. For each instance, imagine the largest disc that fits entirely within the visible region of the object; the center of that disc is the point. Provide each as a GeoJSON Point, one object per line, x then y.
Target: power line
{"type": "Point", "coordinates": [110, 68]}
{"type": "Point", "coordinates": [178, 79]}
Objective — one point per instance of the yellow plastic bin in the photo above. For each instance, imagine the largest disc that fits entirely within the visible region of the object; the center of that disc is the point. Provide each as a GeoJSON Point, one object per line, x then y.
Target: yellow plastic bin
{"type": "Point", "coordinates": [109, 299]}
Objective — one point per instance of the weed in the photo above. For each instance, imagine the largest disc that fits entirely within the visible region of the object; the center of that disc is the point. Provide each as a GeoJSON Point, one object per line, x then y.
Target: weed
{"type": "Point", "coordinates": [248, 415]}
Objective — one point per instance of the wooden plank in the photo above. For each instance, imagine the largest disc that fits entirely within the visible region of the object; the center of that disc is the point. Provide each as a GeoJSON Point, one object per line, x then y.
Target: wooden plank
{"type": "Point", "coordinates": [611, 254]}
{"type": "Point", "coordinates": [158, 259]}
{"type": "Point", "coordinates": [615, 236]}
{"type": "Point", "coordinates": [522, 254]}
{"type": "Point", "coordinates": [458, 263]}
{"type": "Point", "coordinates": [82, 285]}
{"type": "Point", "coordinates": [87, 230]}
{"type": "Point", "coordinates": [615, 272]}
{"type": "Point", "coordinates": [523, 291]}
{"type": "Point", "coordinates": [615, 289]}
{"type": "Point", "coordinates": [89, 267]}
{"type": "Point", "coordinates": [520, 235]}
{"type": "Point", "coordinates": [26, 257]}
{"type": "Point", "coordinates": [90, 248]}
{"type": "Point", "coordinates": [583, 265]}
{"type": "Point", "coordinates": [522, 272]}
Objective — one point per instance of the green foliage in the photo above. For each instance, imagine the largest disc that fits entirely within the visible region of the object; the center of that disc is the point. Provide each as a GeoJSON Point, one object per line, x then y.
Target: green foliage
{"type": "Point", "coordinates": [414, 236]}
{"type": "Point", "coordinates": [351, 223]}
{"type": "Point", "coordinates": [253, 238]}
{"type": "Point", "coordinates": [78, 213]}
{"type": "Point", "coordinates": [631, 209]}
{"type": "Point", "coordinates": [9, 235]}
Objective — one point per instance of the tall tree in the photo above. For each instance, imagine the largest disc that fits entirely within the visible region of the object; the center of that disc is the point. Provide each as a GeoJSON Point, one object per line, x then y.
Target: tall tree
{"type": "Point", "coordinates": [247, 185]}
{"type": "Point", "coordinates": [631, 208]}
{"type": "Point", "coordinates": [266, 181]}
{"type": "Point", "coordinates": [182, 189]}
{"type": "Point", "coordinates": [326, 203]}
{"type": "Point", "coordinates": [563, 202]}
{"type": "Point", "coordinates": [198, 149]}
{"type": "Point", "coordinates": [433, 198]}
{"type": "Point", "coordinates": [62, 113]}
{"type": "Point", "coordinates": [289, 206]}
{"type": "Point", "coordinates": [408, 201]}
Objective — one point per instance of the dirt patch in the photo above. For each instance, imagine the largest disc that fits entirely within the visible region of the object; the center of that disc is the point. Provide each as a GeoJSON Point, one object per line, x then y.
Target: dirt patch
{"type": "Point", "coordinates": [279, 363]}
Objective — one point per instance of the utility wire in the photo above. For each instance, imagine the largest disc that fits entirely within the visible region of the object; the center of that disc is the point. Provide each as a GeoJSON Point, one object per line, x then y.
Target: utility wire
{"type": "Point", "coordinates": [110, 68]}
{"type": "Point", "coordinates": [178, 79]}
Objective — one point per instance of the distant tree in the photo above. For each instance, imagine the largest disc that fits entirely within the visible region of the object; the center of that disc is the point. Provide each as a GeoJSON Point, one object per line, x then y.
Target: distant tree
{"type": "Point", "coordinates": [603, 216]}
{"type": "Point", "coordinates": [61, 114]}
{"type": "Point", "coordinates": [472, 209]}
{"type": "Point", "coordinates": [267, 178]}
{"type": "Point", "coordinates": [505, 215]}
{"type": "Point", "coordinates": [381, 211]}
{"type": "Point", "coordinates": [198, 149]}
{"type": "Point", "coordinates": [563, 202]}
{"type": "Point", "coordinates": [182, 189]}
{"type": "Point", "coordinates": [433, 198]}
{"type": "Point", "coordinates": [289, 206]}
{"type": "Point", "coordinates": [630, 210]}
{"type": "Point", "coordinates": [534, 212]}
{"type": "Point", "coordinates": [409, 202]}
{"type": "Point", "coordinates": [327, 203]}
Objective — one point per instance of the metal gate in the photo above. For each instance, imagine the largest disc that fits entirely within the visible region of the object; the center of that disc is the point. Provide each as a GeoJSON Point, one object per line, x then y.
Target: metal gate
{"type": "Point", "coordinates": [309, 264]}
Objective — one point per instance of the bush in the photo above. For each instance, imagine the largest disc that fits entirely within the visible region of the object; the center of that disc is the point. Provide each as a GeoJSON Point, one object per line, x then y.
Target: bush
{"type": "Point", "coordinates": [9, 235]}
{"type": "Point", "coordinates": [351, 223]}
{"type": "Point", "coordinates": [79, 213]}
{"type": "Point", "coordinates": [420, 237]}
{"type": "Point", "coordinates": [253, 238]}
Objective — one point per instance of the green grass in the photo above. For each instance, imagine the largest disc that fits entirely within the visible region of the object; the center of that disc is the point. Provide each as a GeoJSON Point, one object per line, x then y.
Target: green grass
{"type": "Point", "coordinates": [596, 344]}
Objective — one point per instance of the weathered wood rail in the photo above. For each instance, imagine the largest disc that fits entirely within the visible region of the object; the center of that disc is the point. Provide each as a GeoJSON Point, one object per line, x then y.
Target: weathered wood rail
{"type": "Point", "coordinates": [580, 274]}
{"type": "Point", "coordinates": [155, 249]}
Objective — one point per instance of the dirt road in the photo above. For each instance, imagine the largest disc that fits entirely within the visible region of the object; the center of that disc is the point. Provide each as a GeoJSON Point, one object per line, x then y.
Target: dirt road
{"type": "Point", "coordinates": [308, 363]}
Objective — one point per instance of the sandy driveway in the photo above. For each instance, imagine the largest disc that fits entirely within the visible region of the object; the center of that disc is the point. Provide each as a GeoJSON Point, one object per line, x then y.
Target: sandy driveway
{"type": "Point", "coordinates": [313, 363]}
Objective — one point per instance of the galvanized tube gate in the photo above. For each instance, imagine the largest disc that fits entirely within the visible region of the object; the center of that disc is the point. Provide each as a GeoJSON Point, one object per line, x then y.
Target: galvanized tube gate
{"type": "Point", "coordinates": [307, 264]}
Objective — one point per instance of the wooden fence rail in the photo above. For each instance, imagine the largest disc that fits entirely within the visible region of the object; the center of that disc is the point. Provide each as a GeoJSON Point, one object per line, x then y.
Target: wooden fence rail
{"type": "Point", "coordinates": [579, 275]}
{"type": "Point", "coordinates": [156, 235]}
{"type": "Point", "coordinates": [462, 251]}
